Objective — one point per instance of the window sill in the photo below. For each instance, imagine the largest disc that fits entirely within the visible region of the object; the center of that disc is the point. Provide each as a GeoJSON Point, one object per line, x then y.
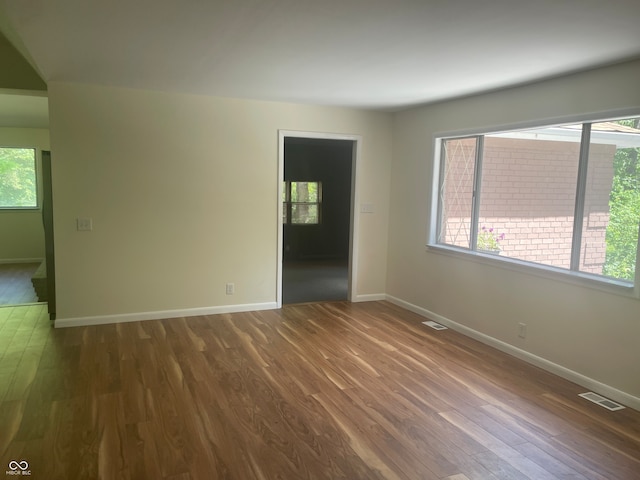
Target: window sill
{"type": "Point", "coordinates": [604, 284]}
{"type": "Point", "coordinates": [20, 209]}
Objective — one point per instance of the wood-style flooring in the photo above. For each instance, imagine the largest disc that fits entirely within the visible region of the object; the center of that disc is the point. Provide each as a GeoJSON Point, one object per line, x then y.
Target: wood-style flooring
{"type": "Point", "coordinates": [15, 283]}
{"type": "Point", "coordinates": [317, 391]}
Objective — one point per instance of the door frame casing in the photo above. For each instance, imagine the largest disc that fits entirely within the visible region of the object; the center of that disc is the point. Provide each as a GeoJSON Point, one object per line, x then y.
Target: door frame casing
{"type": "Point", "coordinates": [47, 222]}
{"type": "Point", "coordinates": [353, 224]}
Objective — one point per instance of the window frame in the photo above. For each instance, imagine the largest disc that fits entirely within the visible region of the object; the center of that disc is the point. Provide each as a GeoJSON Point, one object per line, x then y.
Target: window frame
{"type": "Point", "coordinates": [288, 204]}
{"type": "Point", "coordinates": [37, 174]}
{"type": "Point", "coordinates": [576, 277]}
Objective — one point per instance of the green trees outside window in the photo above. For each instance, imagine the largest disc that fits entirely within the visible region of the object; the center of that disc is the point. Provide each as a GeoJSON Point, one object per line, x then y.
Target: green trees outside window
{"type": "Point", "coordinates": [18, 187]}
{"type": "Point", "coordinates": [624, 213]}
{"type": "Point", "coordinates": [301, 202]}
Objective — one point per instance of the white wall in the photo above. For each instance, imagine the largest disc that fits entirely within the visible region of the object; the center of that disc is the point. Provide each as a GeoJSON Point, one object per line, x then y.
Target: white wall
{"type": "Point", "coordinates": [21, 232]}
{"type": "Point", "coordinates": [182, 191]}
{"type": "Point", "coordinates": [589, 332]}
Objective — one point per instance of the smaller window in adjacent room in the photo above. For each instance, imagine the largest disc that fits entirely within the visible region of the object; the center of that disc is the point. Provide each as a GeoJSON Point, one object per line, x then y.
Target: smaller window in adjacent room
{"type": "Point", "coordinates": [302, 203]}
{"type": "Point", "coordinates": [18, 186]}
{"type": "Point", "coordinates": [562, 196]}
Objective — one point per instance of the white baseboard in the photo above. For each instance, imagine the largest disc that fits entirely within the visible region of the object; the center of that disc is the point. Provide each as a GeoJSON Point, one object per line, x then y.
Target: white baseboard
{"type": "Point", "coordinates": [588, 383]}
{"type": "Point", "coordinates": [159, 315]}
{"type": "Point", "coordinates": [372, 297]}
{"type": "Point", "coordinates": [20, 260]}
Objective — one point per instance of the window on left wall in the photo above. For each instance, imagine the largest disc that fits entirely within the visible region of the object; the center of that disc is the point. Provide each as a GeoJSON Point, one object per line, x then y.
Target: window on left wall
{"type": "Point", "coordinates": [18, 184]}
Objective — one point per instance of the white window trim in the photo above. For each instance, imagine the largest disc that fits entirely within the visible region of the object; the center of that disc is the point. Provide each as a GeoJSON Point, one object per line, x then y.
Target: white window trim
{"type": "Point", "coordinates": [573, 277]}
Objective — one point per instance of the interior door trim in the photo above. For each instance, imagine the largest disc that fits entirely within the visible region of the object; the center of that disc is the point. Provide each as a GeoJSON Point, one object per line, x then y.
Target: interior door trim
{"type": "Point", "coordinates": [354, 218]}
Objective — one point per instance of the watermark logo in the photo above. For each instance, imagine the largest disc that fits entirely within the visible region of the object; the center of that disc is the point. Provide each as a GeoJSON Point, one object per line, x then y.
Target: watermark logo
{"type": "Point", "coordinates": [18, 468]}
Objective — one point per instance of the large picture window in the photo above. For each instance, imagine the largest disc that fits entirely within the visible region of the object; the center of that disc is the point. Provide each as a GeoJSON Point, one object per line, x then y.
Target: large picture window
{"type": "Point", "coordinates": [18, 187]}
{"type": "Point", "coordinates": [565, 196]}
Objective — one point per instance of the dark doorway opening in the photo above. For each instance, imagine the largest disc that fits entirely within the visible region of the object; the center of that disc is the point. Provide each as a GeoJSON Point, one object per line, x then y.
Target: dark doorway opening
{"type": "Point", "coordinates": [317, 219]}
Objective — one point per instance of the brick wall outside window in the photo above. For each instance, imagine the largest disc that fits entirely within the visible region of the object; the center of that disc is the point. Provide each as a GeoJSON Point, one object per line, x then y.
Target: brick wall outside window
{"type": "Point", "coordinates": [528, 194]}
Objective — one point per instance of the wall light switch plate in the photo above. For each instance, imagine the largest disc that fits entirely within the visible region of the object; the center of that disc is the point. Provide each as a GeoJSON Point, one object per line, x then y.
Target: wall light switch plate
{"type": "Point", "coordinates": [522, 330]}
{"type": "Point", "coordinates": [84, 224]}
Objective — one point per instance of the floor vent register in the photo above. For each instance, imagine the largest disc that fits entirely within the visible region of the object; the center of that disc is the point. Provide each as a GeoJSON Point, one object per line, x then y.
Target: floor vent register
{"type": "Point", "coordinates": [602, 401]}
{"type": "Point", "coordinates": [434, 325]}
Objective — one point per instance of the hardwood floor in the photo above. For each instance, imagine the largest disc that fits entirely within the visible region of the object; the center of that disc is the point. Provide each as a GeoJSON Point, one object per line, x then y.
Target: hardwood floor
{"type": "Point", "coordinates": [15, 283]}
{"type": "Point", "coordinates": [323, 391]}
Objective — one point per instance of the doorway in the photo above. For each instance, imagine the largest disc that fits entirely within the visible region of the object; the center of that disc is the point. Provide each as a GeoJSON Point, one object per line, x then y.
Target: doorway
{"type": "Point", "coordinates": [25, 186]}
{"type": "Point", "coordinates": [316, 230]}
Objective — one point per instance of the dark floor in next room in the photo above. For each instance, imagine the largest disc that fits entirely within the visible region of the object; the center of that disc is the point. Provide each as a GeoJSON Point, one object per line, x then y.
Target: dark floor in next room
{"type": "Point", "coordinates": [15, 283]}
{"type": "Point", "coordinates": [314, 281]}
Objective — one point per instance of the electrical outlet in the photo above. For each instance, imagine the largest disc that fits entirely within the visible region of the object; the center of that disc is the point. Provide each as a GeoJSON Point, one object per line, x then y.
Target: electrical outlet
{"type": "Point", "coordinates": [366, 208]}
{"type": "Point", "coordinates": [231, 289]}
{"type": "Point", "coordinates": [522, 330]}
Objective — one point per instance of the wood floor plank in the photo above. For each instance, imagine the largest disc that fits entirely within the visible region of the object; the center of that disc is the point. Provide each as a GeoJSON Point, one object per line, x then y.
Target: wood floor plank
{"type": "Point", "coordinates": [599, 457]}
{"type": "Point", "coordinates": [58, 460]}
{"type": "Point", "coordinates": [399, 428]}
{"type": "Point", "coordinates": [550, 463]}
{"type": "Point", "coordinates": [502, 468]}
{"type": "Point", "coordinates": [317, 391]}
{"type": "Point", "coordinates": [505, 453]}
{"type": "Point", "coordinates": [360, 440]}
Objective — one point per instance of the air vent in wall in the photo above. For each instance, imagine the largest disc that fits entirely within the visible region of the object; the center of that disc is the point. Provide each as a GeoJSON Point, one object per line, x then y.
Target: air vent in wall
{"type": "Point", "coordinates": [434, 325]}
{"type": "Point", "coordinates": [603, 402]}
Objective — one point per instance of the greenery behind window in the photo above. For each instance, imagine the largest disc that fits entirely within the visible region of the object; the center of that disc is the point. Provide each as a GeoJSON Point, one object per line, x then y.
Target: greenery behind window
{"type": "Point", "coordinates": [18, 187]}
{"type": "Point", "coordinates": [624, 204]}
{"type": "Point", "coordinates": [301, 202]}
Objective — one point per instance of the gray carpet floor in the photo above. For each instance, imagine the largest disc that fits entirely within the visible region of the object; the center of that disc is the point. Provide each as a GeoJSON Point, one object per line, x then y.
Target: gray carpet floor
{"type": "Point", "coordinates": [15, 283]}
